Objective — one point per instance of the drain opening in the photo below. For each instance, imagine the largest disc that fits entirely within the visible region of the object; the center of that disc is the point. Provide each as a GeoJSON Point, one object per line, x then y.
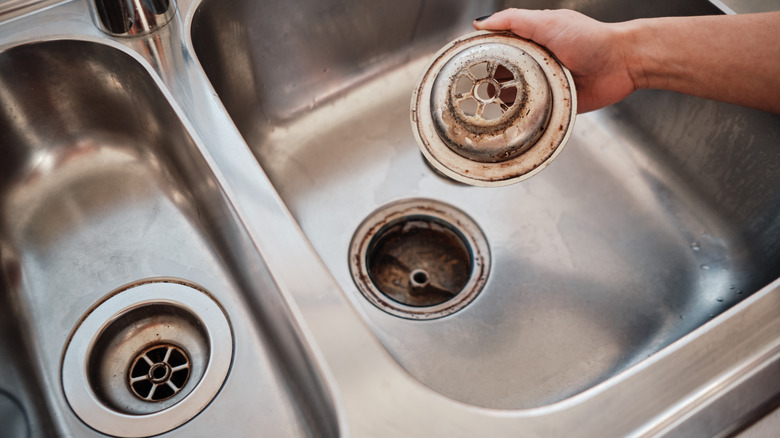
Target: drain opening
{"type": "Point", "coordinates": [147, 359]}
{"type": "Point", "coordinates": [419, 278]}
{"type": "Point", "coordinates": [419, 259]}
{"type": "Point", "coordinates": [159, 372]}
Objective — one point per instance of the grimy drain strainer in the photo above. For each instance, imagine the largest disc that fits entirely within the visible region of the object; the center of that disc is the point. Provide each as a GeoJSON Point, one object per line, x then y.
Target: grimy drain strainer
{"type": "Point", "coordinates": [493, 109]}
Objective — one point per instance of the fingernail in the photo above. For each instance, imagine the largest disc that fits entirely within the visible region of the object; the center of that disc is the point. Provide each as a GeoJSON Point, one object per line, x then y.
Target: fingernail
{"type": "Point", "coordinates": [484, 18]}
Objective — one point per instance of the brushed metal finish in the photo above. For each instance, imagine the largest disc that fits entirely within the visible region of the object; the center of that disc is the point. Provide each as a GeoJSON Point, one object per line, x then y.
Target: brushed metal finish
{"type": "Point", "coordinates": [647, 228]}
{"type": "Point", "coordinates": [747, 6]}
{"type": "Point", "coordinates": [101, 185]}
{"type": "Point", "coordinates": [120, 162]}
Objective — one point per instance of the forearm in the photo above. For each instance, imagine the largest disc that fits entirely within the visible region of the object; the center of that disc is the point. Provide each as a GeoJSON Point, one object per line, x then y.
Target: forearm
{"type": "Point", "coordinates": [734, 59]}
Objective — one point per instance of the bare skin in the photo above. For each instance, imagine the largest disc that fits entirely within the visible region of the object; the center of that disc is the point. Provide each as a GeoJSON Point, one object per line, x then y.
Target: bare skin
{"type": "Point", "coordinates": [731, 58]}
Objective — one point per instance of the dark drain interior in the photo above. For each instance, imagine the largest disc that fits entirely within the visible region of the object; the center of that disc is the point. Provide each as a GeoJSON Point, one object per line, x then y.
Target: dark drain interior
{"type": "Point", "coordinates": [419, 261]}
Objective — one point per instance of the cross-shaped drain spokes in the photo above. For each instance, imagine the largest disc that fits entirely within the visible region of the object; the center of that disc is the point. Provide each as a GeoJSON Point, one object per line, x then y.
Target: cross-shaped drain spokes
{"type": "Point", "coordinates": [159, 372]}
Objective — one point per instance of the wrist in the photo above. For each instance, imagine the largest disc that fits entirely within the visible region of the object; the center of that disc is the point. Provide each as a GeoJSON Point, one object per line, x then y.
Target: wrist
{"type": "Point", "coordinates": [636, 58]}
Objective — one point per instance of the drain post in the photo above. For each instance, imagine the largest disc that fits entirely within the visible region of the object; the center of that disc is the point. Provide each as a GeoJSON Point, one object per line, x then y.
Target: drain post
{"type": "Point", "coordinates": [159, 372]}
{"type": "Point", "coordinates": [419, 279]}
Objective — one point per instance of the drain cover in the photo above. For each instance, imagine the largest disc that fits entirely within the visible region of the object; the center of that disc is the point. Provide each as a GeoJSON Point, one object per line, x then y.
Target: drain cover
{"type": "Point", "coordinates": [493, 109]}
{"type": "Point", "coordinates": [419, 259]}
{"type": "Point", "coordinates": [147, 359]}
{"type": "Point", "coordinates": [159, 372]}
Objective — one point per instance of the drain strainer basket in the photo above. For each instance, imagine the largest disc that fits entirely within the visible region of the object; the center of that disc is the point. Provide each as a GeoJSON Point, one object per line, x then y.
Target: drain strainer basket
{"type": "Point", "coordinates": [493, 109]}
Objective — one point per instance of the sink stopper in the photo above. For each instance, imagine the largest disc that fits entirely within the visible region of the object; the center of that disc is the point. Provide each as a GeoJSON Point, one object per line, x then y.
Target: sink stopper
{"type": "Point", "coordinates": [493, 109]}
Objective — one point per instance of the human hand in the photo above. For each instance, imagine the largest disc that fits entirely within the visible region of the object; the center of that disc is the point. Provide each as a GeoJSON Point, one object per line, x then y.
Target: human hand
{"type": "Point", "coordinates": [593, 51]}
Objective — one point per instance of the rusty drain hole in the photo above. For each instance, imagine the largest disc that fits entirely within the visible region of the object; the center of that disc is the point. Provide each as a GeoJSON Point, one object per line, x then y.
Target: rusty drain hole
{"type": "Point", "coordinates": [419, 261]}
{"type": "Point", "coordinates": [159, 372]}
{"type": "Point", "coordinates": [416, 263]}
{"type": "Point", "coordinates": [419, 278]}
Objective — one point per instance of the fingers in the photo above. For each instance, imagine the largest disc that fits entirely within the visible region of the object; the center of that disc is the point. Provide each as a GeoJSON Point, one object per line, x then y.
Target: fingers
{"type": "Point", "coordinates": [590, 49]}
{"type": "Point", "coordinates": [522, 22]}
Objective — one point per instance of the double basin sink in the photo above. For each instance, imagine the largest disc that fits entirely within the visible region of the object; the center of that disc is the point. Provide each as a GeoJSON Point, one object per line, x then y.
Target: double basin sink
{"type": "Point", "coordinates": [632, 284]}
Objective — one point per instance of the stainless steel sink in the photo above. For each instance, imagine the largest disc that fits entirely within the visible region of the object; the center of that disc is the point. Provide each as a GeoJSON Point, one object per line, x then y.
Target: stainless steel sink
{"type": "Point", "coordinates": [102, 186]}
{"type": "Point", "coordinates": [661, 213]}
{"type": "Point", "coordinates": [632, 287]}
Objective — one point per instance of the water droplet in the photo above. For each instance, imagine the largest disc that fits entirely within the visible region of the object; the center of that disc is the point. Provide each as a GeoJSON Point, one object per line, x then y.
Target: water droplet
{"type": "Point", "coordinates": [732, 287]}
{"type": "Point", "coordinates": [695, 246]}
{"type": "Point", "coordinates": [739, 292]}
{"type": "Point", "coordinates": [720, 300]}
{"type": "Point", "coordinates": [682, 316]}
{"type": "Point", "coordinates": [705, 267]}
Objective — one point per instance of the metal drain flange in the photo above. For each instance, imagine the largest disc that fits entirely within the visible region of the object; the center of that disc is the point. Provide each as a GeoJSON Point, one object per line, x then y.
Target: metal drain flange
{"type": "Point", "coordinates": [419, 259]}
{"type": "Point", "coordinates": [147, 359]}
{"type": "Point", "coordinates": [493, 109]}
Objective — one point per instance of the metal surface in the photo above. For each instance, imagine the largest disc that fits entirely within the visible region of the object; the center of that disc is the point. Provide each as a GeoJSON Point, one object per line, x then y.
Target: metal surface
{"type": "Point", "coordinates": [12, 418]}
{"type": "Point", "coordinates": [13, 8]}
{"type": "Point", "coordinates": [492, 109]}
{"type": "Point", "coordinates": [631, 241]}
{"type": "Point", "coordinates": [634, 239]}
{"type": "Point", "coordinates": [122, 161]}
{"type": "Point", "coordinates": [747, 6]}
{"type": "Point", "coordinates": [130, 18]}
{"type": "Point", "coordinates": [102, 184]}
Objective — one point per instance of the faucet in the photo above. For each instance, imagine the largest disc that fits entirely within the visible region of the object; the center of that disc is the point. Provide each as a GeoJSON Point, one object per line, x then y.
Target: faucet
{"type": "Point", "coordinates": [128, 18]}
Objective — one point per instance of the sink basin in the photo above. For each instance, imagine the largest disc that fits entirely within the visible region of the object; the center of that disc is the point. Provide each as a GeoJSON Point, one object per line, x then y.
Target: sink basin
{"type": "Point", "coordinates": [103, 186]}
{"type": "Point", "coordinates": [660, 214]}
{"type": "Point", "coordinates": [182, 209]}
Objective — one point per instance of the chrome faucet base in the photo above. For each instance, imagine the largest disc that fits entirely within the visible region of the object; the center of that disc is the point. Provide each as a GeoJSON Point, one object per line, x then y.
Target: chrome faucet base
{"type": "Point", "coordinates": [130, 18]}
